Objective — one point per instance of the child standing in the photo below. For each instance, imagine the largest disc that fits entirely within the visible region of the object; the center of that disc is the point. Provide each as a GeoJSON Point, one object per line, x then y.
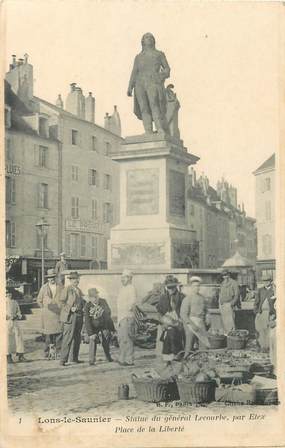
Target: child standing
{"type": "Point", "coordinates": [14, 338]}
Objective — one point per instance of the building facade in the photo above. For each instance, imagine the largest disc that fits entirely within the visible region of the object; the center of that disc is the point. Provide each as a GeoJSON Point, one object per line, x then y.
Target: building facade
{"type": "Point", "coordinates": [66, 174]}
{"type": "Point", "coordinates": [220, 224]}
{"type": "Point", "coordinates": [265, 217]}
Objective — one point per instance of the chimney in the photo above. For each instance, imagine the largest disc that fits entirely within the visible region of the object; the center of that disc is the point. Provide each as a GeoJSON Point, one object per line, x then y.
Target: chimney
{"type": "Point", "coordinates": [20, 77]}
{"type": "Point", "coordinates": [75, 101]}
{"type": "Point", "coordinates": [107, 121]}
{"type": "Point", "coordinates": [59, 102]}
{"type": "Point", "coordinates": [14, 62]}
{"type": "Point", "coordinates": [26, 56]}
{"type": "Point", "coordinates": [90, 108]}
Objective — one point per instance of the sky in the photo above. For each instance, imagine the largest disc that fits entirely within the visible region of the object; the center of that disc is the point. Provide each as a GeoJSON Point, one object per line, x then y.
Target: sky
{"type": "Point", "coordinates": [223, 58]}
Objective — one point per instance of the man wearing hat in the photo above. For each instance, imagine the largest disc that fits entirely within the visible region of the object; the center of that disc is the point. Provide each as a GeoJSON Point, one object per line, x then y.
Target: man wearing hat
{"type": "Point", "coordinates": [49, 301]}
{"type": "Point", "coordinates": [126, 322]}
{"type": "Point", "coordinates": [98, 324]}
{"type": "Point", "coordinates": [228, 299]}
{"type": "Point", "coordinates": [61, 266]}
{"type": "Point", "coordinates": [171, 332]}
{"type": "Point", "coordinates": [71, 316]}
{"type": "Point", "coordinates": [264, 308]}
{"type": "Point", "coordinates": [193, 313]}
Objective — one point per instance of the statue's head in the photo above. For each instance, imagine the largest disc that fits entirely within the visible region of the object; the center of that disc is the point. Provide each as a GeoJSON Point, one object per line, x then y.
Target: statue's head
{"type": "Point", "coordinates": [148, 41]}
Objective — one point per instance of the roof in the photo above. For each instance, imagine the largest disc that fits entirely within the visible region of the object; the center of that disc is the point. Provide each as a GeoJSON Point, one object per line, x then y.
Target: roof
{"type": "Point", "coordinates": [19, 110]}
{"type": "Point", "coordinates": [269, 163]}
{"type": "Point", "coordinates": [237, 261]}
{"type": "Point", "coordinates": [69, 114]}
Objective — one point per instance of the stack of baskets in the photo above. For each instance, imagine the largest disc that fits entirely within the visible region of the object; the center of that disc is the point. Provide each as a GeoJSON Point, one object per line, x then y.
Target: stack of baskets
{"type": "Point", "coordinates": [155, 390]}
{"type": "Point", "coordinates": [237, 339]}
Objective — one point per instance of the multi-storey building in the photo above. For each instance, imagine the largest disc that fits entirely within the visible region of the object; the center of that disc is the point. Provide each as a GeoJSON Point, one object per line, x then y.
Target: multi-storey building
{"type": "Point", "coordinates": [66, 173]}
{"type": "Point", "coordinates": [265, 217]}
{"type": "Point", "coordinates": [219, 222]}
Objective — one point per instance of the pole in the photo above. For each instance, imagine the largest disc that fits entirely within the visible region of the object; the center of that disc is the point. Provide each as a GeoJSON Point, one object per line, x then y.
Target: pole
{"type": "Point", "coordinates": [43, 262]}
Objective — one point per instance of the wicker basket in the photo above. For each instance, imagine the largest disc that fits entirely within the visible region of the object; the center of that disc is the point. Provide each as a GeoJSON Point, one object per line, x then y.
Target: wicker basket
{"type": "Point", "coordinates": [217, 341]}
{"type": "Point", "coordinates": [155, 390]}
{"type": "Point", "coordinates": [237, 342]}
{"type": "Point", "coordinates": [194, 393]}
{"type": "Point", "coordinates": [266, 396]}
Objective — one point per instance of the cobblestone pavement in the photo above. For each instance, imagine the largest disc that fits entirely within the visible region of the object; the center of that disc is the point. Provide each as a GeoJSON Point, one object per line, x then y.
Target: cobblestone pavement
{"type": "Point", "coordinates": [42, 387]}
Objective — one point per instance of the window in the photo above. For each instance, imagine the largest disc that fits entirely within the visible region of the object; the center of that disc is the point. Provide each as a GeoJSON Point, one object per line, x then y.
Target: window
{"type": "Point", "coordinates": [75, 207]}
{"type": "Point", "coordinates": [107, 148]}
{"type": "Point", "coordinates": [74, 244]}
{"type": "Point", "coordinates": [107, 213]}
{"type": "Point", "coordinates": [74, 173]}
{"type": "Point", "coordinates": [43, 156]}
{"type": "Point", "coordinates": [107, 182]}
{"type": "Point", "coordinates": [10, 190]}
{"type": "Point", "coordinates": [7, 116]}
{"type": "Point", "coordinates": [94, 246]}
{"type": "Point", "coordinates": [83, 246]}
{"type": "Point", "coordinates": [94, 209]}
{"type": "Point", "coordinates": [43, 196]}
{"type": "Point", "coordinates": [74, 137]}
{"type": "Point", "coordinates": [93, 178]}
{"type": "Point", "coordinates": [192, 210]}
{"type": "Point", "coordinates": [268, 210]}
{"type": "Point", "coordinates": [9, 150]}
{"type": "Point", "coordinates": [39, 241]}
{"type": "Point", "coordinates": [10, 234]}
{"type": "Point", "coordinates": [43, 127]}
{"type": "Point", "coordinates": [266, 245]}
{"type": "Point", "coordinates": [93, 143]}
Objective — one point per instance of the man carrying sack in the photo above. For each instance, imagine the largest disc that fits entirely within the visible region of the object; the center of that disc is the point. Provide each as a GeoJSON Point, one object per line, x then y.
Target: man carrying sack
{"type": "Point", "coordinates": [98, 324]}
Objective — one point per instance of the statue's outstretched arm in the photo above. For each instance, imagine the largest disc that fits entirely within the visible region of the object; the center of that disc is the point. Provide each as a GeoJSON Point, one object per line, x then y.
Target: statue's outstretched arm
{"type": "Point", "coordinates": [133, 78]}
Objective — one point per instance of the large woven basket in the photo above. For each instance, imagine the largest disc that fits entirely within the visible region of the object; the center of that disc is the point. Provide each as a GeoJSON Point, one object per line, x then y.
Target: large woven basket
{"type": "Point", "coordinates": [267, 396]}
{"type": "Point", "coordinates": [217, 341]}
{"type": "Point", "coordinates": [155, 390]}
{"type": "Point", "coordinates": [237, 342]}
{"type": "Point", "coordinates": [195, 393]}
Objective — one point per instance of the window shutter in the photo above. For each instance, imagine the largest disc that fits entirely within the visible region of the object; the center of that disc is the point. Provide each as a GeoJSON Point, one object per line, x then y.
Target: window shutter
{"type": "Point", "coordinates": [90, 177]}
{"type": "Point", "coordinates": [13, 191]}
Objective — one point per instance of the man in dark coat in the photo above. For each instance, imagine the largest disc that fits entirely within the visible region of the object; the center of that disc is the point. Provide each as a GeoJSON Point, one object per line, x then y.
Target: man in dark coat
{"type": "Point", "coordinates": [264, 308]}
{"type": "Point", "coordinates": [98, 323]}
{"type": "Point", "coordinates": [169, 305]}
{"type": "Point", "coordinates": [71, 316]}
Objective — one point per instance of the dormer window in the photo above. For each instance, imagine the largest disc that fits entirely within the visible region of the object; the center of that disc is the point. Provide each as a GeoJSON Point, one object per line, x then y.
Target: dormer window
{"type": "Point", "coordinates": [43, 127]}
{"type": "Point", "coordinates": [7, 116]}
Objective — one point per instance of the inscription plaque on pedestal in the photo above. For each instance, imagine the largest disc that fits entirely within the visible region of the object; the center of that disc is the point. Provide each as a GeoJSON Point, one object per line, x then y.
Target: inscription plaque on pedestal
{"type": "Point", "coordinates": [142, 191]}
{"type": "Point", "coordinates": [176, 193]}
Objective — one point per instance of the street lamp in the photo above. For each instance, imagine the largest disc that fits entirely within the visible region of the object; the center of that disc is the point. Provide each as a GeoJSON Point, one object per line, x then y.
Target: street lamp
{"type": "Point", "coordinates": [42, 228]}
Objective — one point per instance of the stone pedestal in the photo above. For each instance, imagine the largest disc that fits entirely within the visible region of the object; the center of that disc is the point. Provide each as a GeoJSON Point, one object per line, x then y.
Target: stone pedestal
{"type": "Point", "coordinates": [153, 231]}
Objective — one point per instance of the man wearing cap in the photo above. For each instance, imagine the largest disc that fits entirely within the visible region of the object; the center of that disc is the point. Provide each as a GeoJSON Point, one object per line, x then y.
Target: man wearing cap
{"type": "Point", "coordinates": [126, 322]}
{"type": "Point", "coordinates": [228, 299]}
{"type": "Point", "coordinates": [71, 316]}
{"type": "Point", "coordinates": [263, 308]}
{"type": "Point", "coordinates": [171, 332]}
{"type": "Point", "coordinates": [61, 266]}
{"type": "Point", "coordinates": [193, 313]}
{"type": "Point", "coordinates": [49, 301]}
{"type": "Point", "coordinates": [98, 323]}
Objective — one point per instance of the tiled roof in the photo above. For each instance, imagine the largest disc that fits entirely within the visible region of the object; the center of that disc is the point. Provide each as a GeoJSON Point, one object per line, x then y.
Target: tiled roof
{"type": "Point", "coordinates": [269, 163]}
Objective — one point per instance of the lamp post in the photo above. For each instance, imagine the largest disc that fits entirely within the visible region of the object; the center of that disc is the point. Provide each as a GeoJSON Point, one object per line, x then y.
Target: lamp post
{"type": "Point", "coordinates": [42, 227]}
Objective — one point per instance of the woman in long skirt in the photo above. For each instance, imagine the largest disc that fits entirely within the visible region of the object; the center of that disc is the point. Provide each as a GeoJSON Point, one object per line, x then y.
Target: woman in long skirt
{"type": "Point", "coordinates": [15, 339]}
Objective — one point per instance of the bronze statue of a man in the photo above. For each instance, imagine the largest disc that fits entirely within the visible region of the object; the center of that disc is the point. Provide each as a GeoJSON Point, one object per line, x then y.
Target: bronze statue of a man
{"type": "Point", "coordinates": [147, 79]}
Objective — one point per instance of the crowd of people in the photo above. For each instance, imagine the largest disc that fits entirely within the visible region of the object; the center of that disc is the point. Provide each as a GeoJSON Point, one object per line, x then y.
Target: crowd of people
{"type": "Point", "coordinates": [183, 318]}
